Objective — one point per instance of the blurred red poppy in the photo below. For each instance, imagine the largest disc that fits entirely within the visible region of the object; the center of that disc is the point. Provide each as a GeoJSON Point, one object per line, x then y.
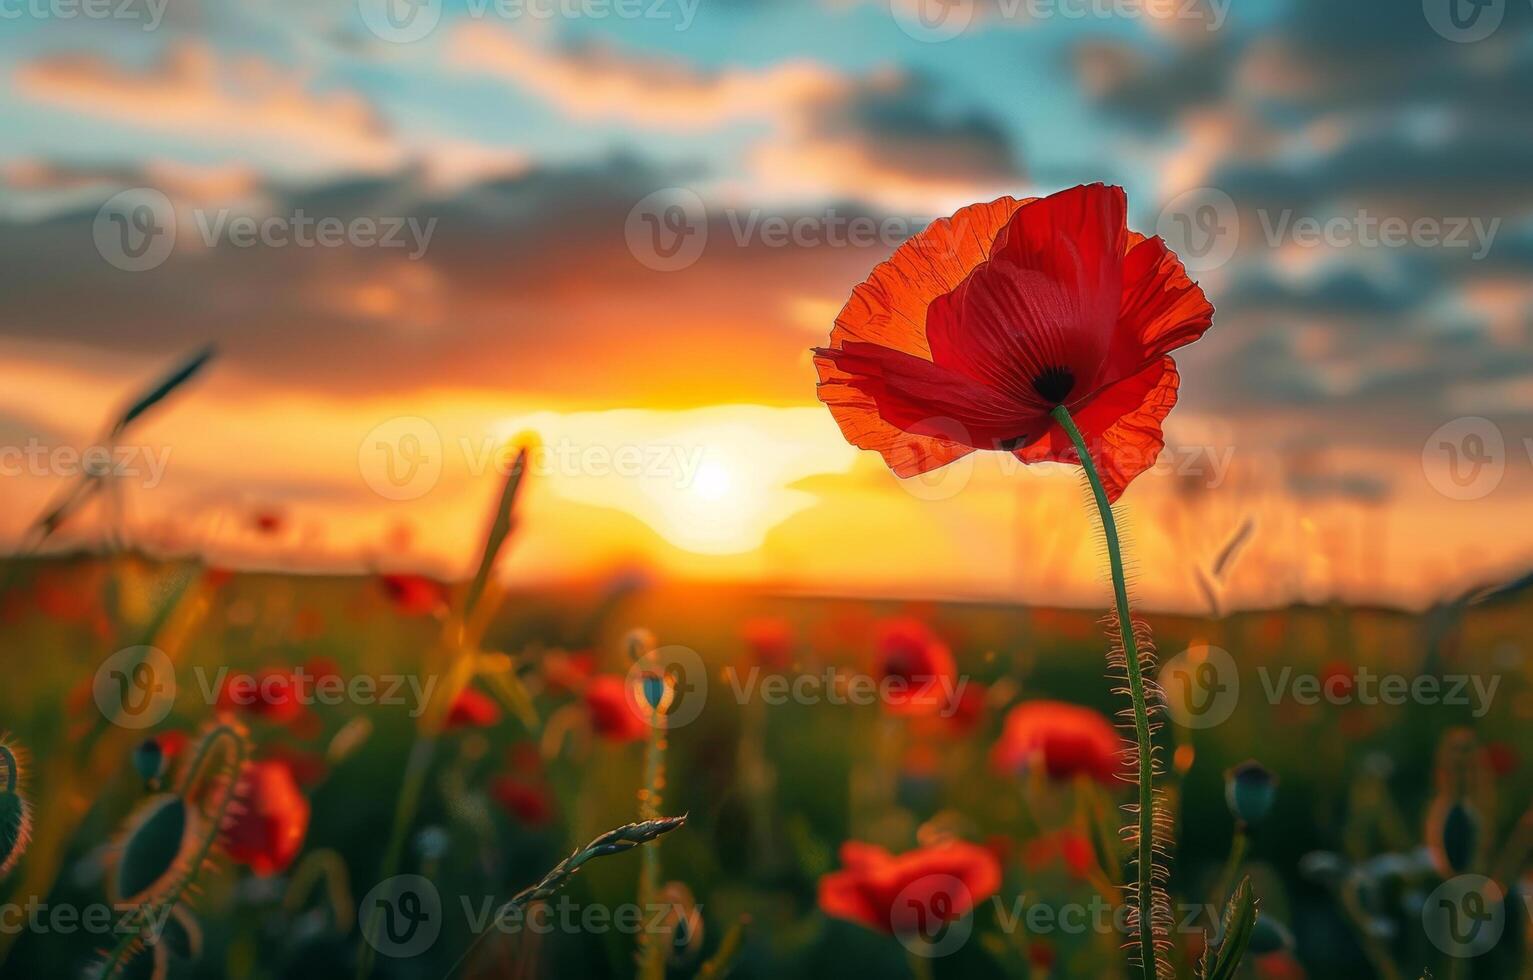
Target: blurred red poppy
{"type": "Point", "coordinates": [910, 654]}
{"type": "Point", "coordinates": [413, 595]}
{"type": "Point", "coordinates": [614, 716]}
{"type": "Point", "coordinates": [267, 522]}
{"type": "Point", "coordinates": [979, 326]}
{"type": "Point", "coordinates": [1066, 739]}
{"type": "Point", "coordinates": [269, 695]}
{"type": "Point", "coordinates": [1068, 847]}
{"type": "Point", "coordinates": [567, 673]}
{"type": "Point", "coordinates": [471, 709]}
{"type": "Point", "coordinates": [769, 639]}
{"type": "Point", "coordinates": [269, 819]}
{"type": "Point", "coordinates": [307, 768]}
{"type": "Point", "coordinates": [901, 893]}
{"type": "Point", "coordinates": [527, 802]}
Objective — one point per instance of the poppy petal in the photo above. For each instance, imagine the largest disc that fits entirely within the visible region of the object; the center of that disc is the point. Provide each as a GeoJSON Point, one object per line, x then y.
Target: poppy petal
{"type": "Point", "coordinates": [1121, 427]}
{"type": "Point", "coordinates": [917, 396]}
{"type": "Point", "coordinates": [1161, 309]}
{"type": "Point", "coordinates": [889, 309]}
{"type": "Point", "coordinates": [1068, 248]}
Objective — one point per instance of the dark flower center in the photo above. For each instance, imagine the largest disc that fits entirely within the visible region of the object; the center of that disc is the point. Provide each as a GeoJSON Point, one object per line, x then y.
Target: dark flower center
{"type": "Point", "coordinates": [1054, 384]}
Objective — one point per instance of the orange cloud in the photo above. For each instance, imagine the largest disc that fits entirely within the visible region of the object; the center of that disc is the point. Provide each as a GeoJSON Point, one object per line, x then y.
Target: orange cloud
{"type": "Point", "coordinates": [190, 92]}
{"type": "Point", "coordinates": [599, 81]}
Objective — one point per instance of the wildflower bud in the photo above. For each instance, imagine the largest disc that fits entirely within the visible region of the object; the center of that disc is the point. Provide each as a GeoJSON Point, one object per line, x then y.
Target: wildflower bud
{"type": "Point", "coordinates": [432, 843]}
{"type": "Point", "coordinates": [1249, 789]}
{"type": "Point", "coordinates": [15, 810]}
{"type": "Point", "coordinates": [1453, 836]}
{"type": "Point", "coordinates": [151, 848]}
{"type": "Point", "coordinates": [149, 759]}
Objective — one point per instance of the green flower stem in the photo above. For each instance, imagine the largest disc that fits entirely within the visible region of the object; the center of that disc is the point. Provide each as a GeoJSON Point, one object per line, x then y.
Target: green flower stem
{"type": "Point", "coordinates": [1238, 848]}
{"type": "Point", "coordinates": [1146, 858]}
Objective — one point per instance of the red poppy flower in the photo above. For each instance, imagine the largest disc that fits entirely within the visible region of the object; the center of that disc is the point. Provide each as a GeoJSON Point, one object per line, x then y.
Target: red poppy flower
{"type": "Point", "coordinates": [267, 522]}
{"type": "Point", "coordinates": [900, 893]}
{"type": "Point", "coordinates": [770, 641]}
{"type": "Point", "coordinates": [269, 821]}
{"type": "Point", "coordinates": [910, 653]}
{"type": "Point", "coordinates": [413, 595]}
{"type": "Point", "coordinates": [1069, 847]}
{"type": "Point", "coordinates": [527, 802]}
{"type": "Point", "coordinates": [270, 695]}
{"type": "Point", "coordinates": [307, 768]}
{"type": "Point", "coordinates": [471, 709]}
{"type": "Point", "coordinates": [1501, 758]}
{"type": "Point", "coordinates": [979, 326]}
{"type": "Point", "coordinates": [567, 673]}
{"type": "Point", "coordinates": [614, 716]}
{"type": "Point", "coordinates": [1067, 739]}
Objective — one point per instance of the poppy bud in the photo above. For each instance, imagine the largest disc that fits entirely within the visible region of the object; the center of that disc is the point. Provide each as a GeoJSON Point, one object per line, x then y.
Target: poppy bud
{"type": "Point", "coordinates": [152, 847]}
{"type": "Point", "coordinates": [432, 843]}
{"type": "Point", "coordinates": [149, 760]}
{"type": "Point", "coordinates": [1249, 789]}
{"type": "Point", "coordinates": [1453, 834]}
{"type": "Point", "coordinates": [15, 810]}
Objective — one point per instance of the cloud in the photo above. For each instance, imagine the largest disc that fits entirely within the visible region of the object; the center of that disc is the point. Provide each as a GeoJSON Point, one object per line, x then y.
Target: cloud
{"type": "Point", "coordinates": [528, 290]}
{"type": "Point", "coordinates": [888, 136]}
{"type": "Point", "coordinates": [597, 80]}
{"type": "Point", "coordinates": [190, 92]}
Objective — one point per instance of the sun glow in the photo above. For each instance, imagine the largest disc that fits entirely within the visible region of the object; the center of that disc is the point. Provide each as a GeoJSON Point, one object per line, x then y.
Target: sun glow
{"type": "Point", "coordinates": [712, 481]}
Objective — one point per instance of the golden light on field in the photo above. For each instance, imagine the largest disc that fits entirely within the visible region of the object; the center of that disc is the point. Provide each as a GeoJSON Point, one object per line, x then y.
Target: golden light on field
{"type": "Point", "coordinates": [711, 481]}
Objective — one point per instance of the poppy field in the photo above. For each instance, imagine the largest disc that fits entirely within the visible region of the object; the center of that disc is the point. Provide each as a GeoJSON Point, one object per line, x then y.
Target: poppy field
{"type": "Point", "coordinates": [965, 826]}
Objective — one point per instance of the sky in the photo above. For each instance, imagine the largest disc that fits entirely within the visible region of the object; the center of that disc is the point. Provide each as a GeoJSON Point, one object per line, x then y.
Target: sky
{"type": "Point", "coordinates": [418, 231]}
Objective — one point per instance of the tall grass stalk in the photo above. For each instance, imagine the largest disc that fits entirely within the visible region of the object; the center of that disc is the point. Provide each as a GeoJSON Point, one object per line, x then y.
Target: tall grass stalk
{"type": "Point", "coordinates": [1145, 891]}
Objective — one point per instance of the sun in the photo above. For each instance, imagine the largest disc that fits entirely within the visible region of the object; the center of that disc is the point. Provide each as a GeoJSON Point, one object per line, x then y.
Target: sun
{"type": "Point", "coordinates": [712, 481]}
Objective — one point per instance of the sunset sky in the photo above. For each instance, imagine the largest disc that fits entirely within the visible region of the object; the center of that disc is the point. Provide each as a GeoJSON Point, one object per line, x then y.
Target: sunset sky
{"type": "Point", "coordinates": [540, 160]}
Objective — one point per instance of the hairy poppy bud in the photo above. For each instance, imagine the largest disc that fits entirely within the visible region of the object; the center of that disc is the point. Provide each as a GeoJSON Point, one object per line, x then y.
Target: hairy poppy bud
{"type": "Point", "coordinates": [15, 810]}
{"type": "Point", "coordinates": [1249, 789]}
{"type": "Point", "coordinates": [1453, 836]}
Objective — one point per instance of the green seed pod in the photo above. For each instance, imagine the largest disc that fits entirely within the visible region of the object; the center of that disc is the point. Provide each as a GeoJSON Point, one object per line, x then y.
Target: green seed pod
{"type": "Point", "coordinates": [149, 759]}
{"type": "Point", "coordinates": [1250, 789]}
{"type": "Point", "coordinates": [15, 810]}
{"type": "Point", "coordinates": [1453, 836]}
{"type": "Point", "coordinates": [152, 850]}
